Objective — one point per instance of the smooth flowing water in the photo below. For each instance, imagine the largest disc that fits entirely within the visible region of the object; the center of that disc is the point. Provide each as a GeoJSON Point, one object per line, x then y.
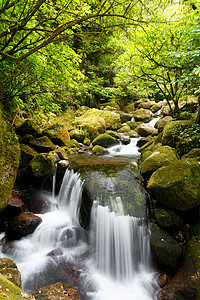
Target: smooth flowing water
{"type": "Point", "coordinates": [110, 261]}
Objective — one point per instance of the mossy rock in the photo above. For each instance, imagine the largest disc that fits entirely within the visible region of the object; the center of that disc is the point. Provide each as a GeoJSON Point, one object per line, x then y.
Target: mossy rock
{"type": "Point", "coordinates": [154, 108]}
{"type": "Point", "coordinates": [186, 144]}
{"type": "Point", "coordinates": [125, 128]}
{"type": "Point", "coordinates": [57, 291]}
{"type": "Point", "coordinates": [113, 134]}
{"type": "Point", "coordinates": [177, 186]}
{"type": "Point", "coordinates": [105, 140]}
{"type": "Point", "coordinates": [28, 127]}
{"type": "Point", "coordinates": [99, 150]}
{"type": "Point", "coordinates": [133, 124]}
{"type": "Point", "coordinates": [124, 117]}
{"type": "Point", "coordinates": [9, 269]}
{"type": "Point", "coordinates": [58, 134]}
{"type": "Point", "coordinates": [168, 219]}
{"type": "Point", "coordinates": [161, 123]}
{"type": "Point", "coordinates": [147, 105]}
{"type": "Point", "coordinates": [162, 156]}
{"type": "Point", "coordinates": [74, 144]}
{"type": "Point", "coordinates": [78, 135]}
{"type": "Point", "coordinates": [42, 144]}
{"type": "Point", "coordinates": [82, 110]}
{"type": "Point", "coordinates": [26, 139]}
{"type": "Point", "coordinates": [87, 141]}
{"type": "Point", "coordinates": [129, 108]}
{"type": "Point", "coordinates": [112, 119]}
{"type": "Point", "coordinates": [186, 281]}
{"type": "Point", "coordinates": [111, 105]}
{"type": "Point", "coordinates": [143, 115]}
{"type": "Point", "coordinates": [164, 247]}
{"type": "Point", "coordinates": [9, 162]}
{"type": "Point", "coordinates": [132, 134]}
{"type": "Point", "coordinates": [43, 164]}
{"type": "Point", "coordinates": [145, 130]}
{"type": "Point", "coordinates": [93, 125]}
{"type": "Point", "coordinates": [172, 131]}
{"type": "Point", "coordinates": [192, 154]}
{"type": "Point", "coordinates": [10, 291]}
{"type": "Point", "coordinates": [27, 154]}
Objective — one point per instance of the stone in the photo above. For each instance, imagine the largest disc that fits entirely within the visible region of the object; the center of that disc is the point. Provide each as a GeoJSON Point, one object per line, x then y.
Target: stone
{"type": "Point", "coordinates": [125, 128]}
{"type": "Point", "coordinates": [113, 134]}
{"type": "Point", "coordinates": [10, 271]}
{"type": "Point", "coordinates": [58, 134]}
{"type": "Point", "coordinates": [27, 154]}
{"type": "Point", "coordinates": [78, 135]}
{"type": "Point", "coordinates": [125, 139]}
{"type": "Point", "coordinates": [38, 203]}
{"type": "Point", "coordinates": [9, 162]}
{"type": "Point", "coordinates": [42, 165]}
{"type": "Point", "coordinates": [177, 186]}
{"type": "Point", "coordinates": [28, 127]}
{"type": "Point", "coordinates": [147, 105]}
{"type": "Point", "coordinates": [129, 108]}
{"type": "Point", "coordinates": [143, 115]}
{"type": "Point", "coordinates": [105, 140]}
{"type": "Point", "coordinates": [162, 156]}
{"type": "Point", "coordinates": [186, 144]}
{"type": "Point", "coordinates": [167, 219]}
{"type": "Point", "coordinates": [145, 130]}
{"type": "Point", "coordinates": [164, 247]}
{"type": "Point", "coordinates": [195, 152]}
{"type": "Point", "coordinates": [124, 117]}
{"type": "Point", "coordinates": [161, 123]}
{"type": "Point", "coordinates": [186, 282]}
{"type": "Point", "coordinates": [99, 150]}
{"type": "Point", "coordinates": [42, 144]}
{"type": "Point", "coordinates": [133, 124]}
{"type": "Point", "coordinates": [57, 291]}
{"type": "Point", "coordinates": [132, 134]}
{"type": "Point", "coordinates": [22, 225]}
{"type": "Point", "coordinates": [111, 105]}
{"type": "Point", "coordinates": [141, 142]}
{"type": "Point", "coordinates": [93, 125]}
{"type": "Point", "coordinates": [163, 279]}
{"type": "Point", "coordinates": [15, 207]}
{"type": "Point", "coordinates": [154, 108]}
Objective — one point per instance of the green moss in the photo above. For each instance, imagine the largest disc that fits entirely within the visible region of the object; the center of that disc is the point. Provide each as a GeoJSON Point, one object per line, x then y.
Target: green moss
{"type": "Point", "coordinates": [58, 134]}
{"type": "Point", "coordinates": [99, 150]}
{"type": "Point", "coordinates": [104, 140]}
{"type": "Point", "coordinates": [27, 154]}
{"type": "Point", "coordinates": [42, 165]}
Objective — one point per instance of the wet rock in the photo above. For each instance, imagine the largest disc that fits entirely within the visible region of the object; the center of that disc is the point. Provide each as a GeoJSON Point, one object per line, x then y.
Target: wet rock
{"type": "Point", "coordinates": [167, 219]}
{"type": "Point", "coordinates": [154, 108]}
{"type": "Point", "coordinates": [186, 282]}
{"type": "Point", "coordinates": [58, 134]}
{"type": "Point", "coordinates": [78, 135]}
{"type": "Point", "coordinates": [57, 291]}
{"type": "Point", "coordinates": [147, 104]}
{"type": "Point", "coordinates": [93, 125]}
{"type": "Point", "coordinates": [124, 128]}
{"type": "Point", "coordinates": [132, 134]}
{"type": "Point", "coordinates": [22, 225]}
{"type": "Point", "coordinates": [143, 141]}
{"type": "Point", "coordinates": [162, 156]}
{"type": "Point", "coordinates": [163, 279]}
{"type": "Point", "coordinates": [113, 134]}
{"type": "Point", "coordinates": [143, 115]}
{"type": "Point", "coordinates": [42, 144]}
{"type": "Point", "coordinates": [176, 186]}
{"type": "Point", "coordinates": [10, 271]}
{"type": "Point", "coordinates": [105, 140]}
{"type": "Point", "coordinates": [124, 117]}
{"type": "Point", "coordinates": [38, 203]}
{"type": "Point", "coordinates": [15, 207]}
{"type": "Point", "coordinates": [145, 130]}
{"type": "Point", "coordinates": [125, 139]}
{"type": "Point", "coordinates": [133, 124]}
{"type": "Point", "coordinates": [99, 150]}
{"type": "Point", "coordinates": [164, 247]}
{"type": "Point", "coordinates": [55, 252]}
{"type": "Point", "coordinates": [42, 165]}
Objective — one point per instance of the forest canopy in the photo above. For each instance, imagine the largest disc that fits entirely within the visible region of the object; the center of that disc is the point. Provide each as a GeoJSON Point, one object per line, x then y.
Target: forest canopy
{"type": "Point", "coordinates": [54, 54]}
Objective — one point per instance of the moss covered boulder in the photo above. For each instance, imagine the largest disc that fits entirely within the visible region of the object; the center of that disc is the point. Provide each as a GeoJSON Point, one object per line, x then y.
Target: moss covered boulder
{"type": "Point", "coordinates": [42, 144]}
{"type": "Point", "coordinates": [164, 247]}
{"type": "Point", "coordinates": [133, 124]}
{"type": "Point", "coordinates": [143, 115]}
{"type": "Point", "coordinates": [186, 282]}
{"type": "Point", "coordinates": [124, 117]}
{"type": "Point", "coordinates": [10, 291]}
{"type": "Point", "coordinates": [112, 119]}
{"type": "Point", "coordinates": [43, 164]}
{"type": "Point", "coordinates": [58, 134]}
{"type": "Point", "coordinates": [168, 219]}
{"type": "Point", "coordinates": [28, 127]}
{"type": "Point", "coordinates": [93, 125]}
{"type": "Point", "coordinates": [147, 104]}
{"type": "Point", "coordinates": [132, 134]}
{"type": "Point", "coordinates": [172, 132]}
{"type": "Point", "coordinates": [105, 140]}
{"type": "Point", "coordinates": [124, 128]}
{"type": "Point", "coordinates": [192, 153]}
{"type": "Point", "coordinates": [27, 154]}
{"type": "Point", "coordinates": [146, 130]}
{"type": "Point", "coordinates": [160, 124]}
{"type": "Point", "coordinates": [188, 143]}
{"type": "Point", "coordinates": [9, 161]}
{"type": "Point", "coordinates": [113, 134]}
{"type": "Point", "coordinates": [177, 186]}
{"type": "Point", "coordinates": [78, 135]}
{"type": "Point", "coordinates": [111, 105]}
{"type": "Point", "coordinates": [162, 156]}
{"type": "Point", "coordinates": [99, 150]}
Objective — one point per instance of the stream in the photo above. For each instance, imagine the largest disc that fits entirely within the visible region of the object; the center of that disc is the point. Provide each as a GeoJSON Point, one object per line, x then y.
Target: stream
{"type": "Point", "coordinates": [111, 258]}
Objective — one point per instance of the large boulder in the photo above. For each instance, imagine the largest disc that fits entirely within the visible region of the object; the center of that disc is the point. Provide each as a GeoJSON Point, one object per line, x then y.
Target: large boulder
{"type": "Point", "coordinates": [42, 144]}
{"type": "Point", "coordinates": [22, 225]}
{"type": "Point", "coordinates": [147, 104]}
{"type": "Point", "coordinates": [43, 164]}
{"type": "Point", "coordinates": [186, 282]}
{"type": "Point", "coordinates": [162, 156]}
{"type": "Point", "coordinates": [9, 270]}
{"type": "Point", "coordinates": [143, 115]}
{"type": "Point", "coordinates": [93, 125]}
{"type": "Point", "coordinates": [28, 127]}
{"type": "Point", "coordinates": [105, 140]}
{"type": "Point", "coordinates": [78, 135]}
{"type": "Point", "coordinates": [164, 247]}
{"type": "Point", "coordinates": [99, 150]}
{"type": "Point", "coordinates": [27, 154]}
{"type": "Point", "coordinates": [14, 208]}
{"type": "Point", "coordinates": [168, 219]}
{"type": "Point", "coordinates": [9, 162]}
{"type": "Point", "coordinates": [177, 186]}
{"type": "Point", "coordinates": [124, 117]}
{"type": "Point", "coordinates": [111, 105]}
{"type": "Point", "coordinates": [58, 134]}
{"type": "Point", "coordinates": [146, 130]}
{"type": "Point", "coordinates": [161, 123]}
